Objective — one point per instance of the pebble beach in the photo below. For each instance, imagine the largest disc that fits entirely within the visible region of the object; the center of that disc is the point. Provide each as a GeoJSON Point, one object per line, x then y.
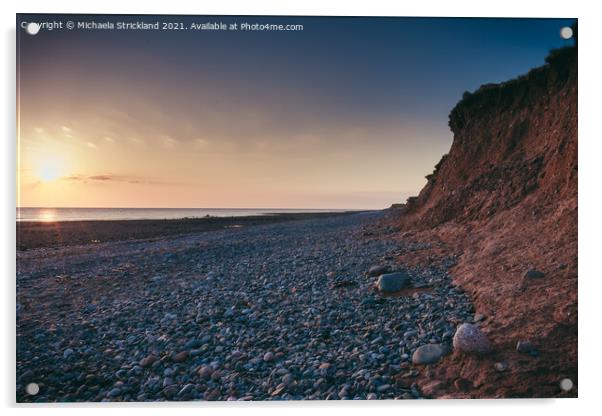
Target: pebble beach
{"type": "Point", "coordinates": [279, 311]}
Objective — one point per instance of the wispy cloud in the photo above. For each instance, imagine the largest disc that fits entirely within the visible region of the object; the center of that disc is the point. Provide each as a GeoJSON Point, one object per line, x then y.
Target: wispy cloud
{"type": "Point", "coordinates": [169, 141]}
{"type": "Point", "coordinates": [110, 178]}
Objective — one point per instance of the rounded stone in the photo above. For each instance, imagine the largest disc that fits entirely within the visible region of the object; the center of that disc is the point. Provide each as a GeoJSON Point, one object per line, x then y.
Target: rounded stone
{"type": "Point", "coordinates": [471, 340]}
{"type": "Point", "coordinates": [428, 354]}
{"type": "Point", "coordinates": [393, 282]}
{"type": "Point", "coordinates": [525, 347]}
{"type": "Point", "coordinates": [566, 384]}
{"type": "Point", "coordinates": [180, 357]}
{"type": "Point", "coordinates": [378, 270]}
{"type": "Point", "coordinates": [147, 361]}
{"type": "Point", "coordinates": [32, 389]}
{"type": "Point", "coordinates": [534, 274]}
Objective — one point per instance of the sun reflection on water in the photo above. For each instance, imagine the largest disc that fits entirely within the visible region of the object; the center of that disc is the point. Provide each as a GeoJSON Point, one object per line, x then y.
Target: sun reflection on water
{"type": "Point", "coordinates": [48, 215]}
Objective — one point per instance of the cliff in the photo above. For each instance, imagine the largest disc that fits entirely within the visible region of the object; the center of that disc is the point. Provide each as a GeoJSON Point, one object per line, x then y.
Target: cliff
{"type": "Point", "coordinates": [504, 201]}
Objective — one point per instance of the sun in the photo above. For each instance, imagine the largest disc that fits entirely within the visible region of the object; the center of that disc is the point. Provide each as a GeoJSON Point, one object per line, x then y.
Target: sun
{"type": "Point", "coordinates": [49, 169]}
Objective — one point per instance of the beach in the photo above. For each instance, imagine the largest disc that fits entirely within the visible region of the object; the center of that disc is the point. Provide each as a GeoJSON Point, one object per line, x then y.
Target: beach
{"type": "Point", "coordinates": [36, 234]}
{"type": "Point", "coordinates": [281, 310]}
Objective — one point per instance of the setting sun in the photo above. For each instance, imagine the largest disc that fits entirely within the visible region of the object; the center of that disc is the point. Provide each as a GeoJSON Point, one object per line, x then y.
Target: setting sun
{"type": "Point", "coordinates": [49, 170]}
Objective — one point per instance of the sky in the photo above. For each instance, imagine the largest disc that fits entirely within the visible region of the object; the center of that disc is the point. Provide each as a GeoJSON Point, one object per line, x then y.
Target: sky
{"type": "Point", "coordinates": [346, 113]}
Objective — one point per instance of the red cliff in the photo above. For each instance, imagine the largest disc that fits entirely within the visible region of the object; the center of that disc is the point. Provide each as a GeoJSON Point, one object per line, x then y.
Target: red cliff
{"type": "Point", "coordinates": [505, 201]}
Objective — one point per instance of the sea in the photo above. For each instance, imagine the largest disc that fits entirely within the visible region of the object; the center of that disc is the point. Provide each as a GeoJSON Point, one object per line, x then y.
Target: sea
{"type": "Point", "coordinates": [79, 214]}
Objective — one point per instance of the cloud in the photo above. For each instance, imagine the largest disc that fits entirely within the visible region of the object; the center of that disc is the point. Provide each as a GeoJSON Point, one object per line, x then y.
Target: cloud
{"type": "Point", "coordinates": [135, 139]}
{"type": "Point", "coordinates": [91, 145]}
{"type": "Point", "coordinates": [169, 141]}
{"type": "Point", "coordinates": [110, 178]}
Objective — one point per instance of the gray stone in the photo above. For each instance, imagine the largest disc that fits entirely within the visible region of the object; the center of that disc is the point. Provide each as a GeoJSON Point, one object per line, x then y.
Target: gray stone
{"type": "Point", "coordinates": [501, 366]}
{"type": "Point", "coordinates": [205, 371]}
{"type": "Point", "coordinates": [393, 282]}
{"type": "Point", "coordinates": [471, 340]}
{"type": "Point", "coordinates": [147, 361]}
{"type": "Point", "coordinates": [428, 354]}
{"type": "Point", "coordinates": [478, 317]}
{"type": "Point", "coordinates": [287, 379]}
{"type": "Point", "coordinates": [378, 270]}
{"type": "Point", "coordinates": [187, 389]}
{"type": "Point", "coordinates": [383, 388]}
{"type": "Point", "coordinates": [525, 347]}
{"type": "Point", "coordinates": [534, 274]}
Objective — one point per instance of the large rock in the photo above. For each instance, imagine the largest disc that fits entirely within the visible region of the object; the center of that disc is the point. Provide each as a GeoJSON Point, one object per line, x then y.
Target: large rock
{"type": "Point", "coordinates": [393, 282]}
{"type": "Point", "coordinates": [471, 340]}
{"type": "Point", "coordinates": [428, 354]}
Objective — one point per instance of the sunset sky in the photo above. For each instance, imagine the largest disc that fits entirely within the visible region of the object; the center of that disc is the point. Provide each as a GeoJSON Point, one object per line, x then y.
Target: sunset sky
{"type": "Point", "coordinates": [348, 113]}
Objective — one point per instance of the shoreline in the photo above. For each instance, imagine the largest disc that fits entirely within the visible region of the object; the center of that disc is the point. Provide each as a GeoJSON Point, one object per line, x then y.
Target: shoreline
{"type": "Point", "coordinates": [40, 234]}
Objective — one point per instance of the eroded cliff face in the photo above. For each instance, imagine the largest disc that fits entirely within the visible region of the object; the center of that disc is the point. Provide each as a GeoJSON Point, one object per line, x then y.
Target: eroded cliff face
{"type": "Point", "coordinates": [510, 140]}
{"type": "Point", "coordinates": [504, 201]}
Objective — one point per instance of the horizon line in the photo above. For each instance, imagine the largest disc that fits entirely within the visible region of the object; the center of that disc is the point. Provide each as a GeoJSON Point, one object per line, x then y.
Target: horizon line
{"type": "Point", "coordinates": [232, 208]}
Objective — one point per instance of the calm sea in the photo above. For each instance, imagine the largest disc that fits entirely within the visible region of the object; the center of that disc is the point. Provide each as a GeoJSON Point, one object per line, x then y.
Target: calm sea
{"type": "Point", "coordinates": [75, 214]}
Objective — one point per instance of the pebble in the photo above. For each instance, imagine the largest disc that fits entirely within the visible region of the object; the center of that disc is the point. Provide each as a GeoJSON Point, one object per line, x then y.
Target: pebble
{"type": "Point", "coordinates": [205, 372]}
{"type": "Point", "coordinates": [428, 354]}
{"type": "Point", "coordinates": [180, 357]}
{"type": "Point", "coordinates": [393, 282]}
{"type": "Point", "coordinates": [187, 389]}
{"type": "Point", "coordinates": [377, 270]}
{"type": "Point", "coordinates": [383, 388]}
{"type": "Point", "coordinates": [500, 366]}
{"type": "Point", "coordinates": [525, 347]}
{"type": "Point", "coordinates": [114, 392]}
{"type": "Point", "coordinates": [534, 274]}
{"type": "Point", "coordinates": [287, 379]}
{"type": "Point", "coordinates": [148, 361]}
{"type": "Point", "coordinates": [471, 340]}
{"type": "Point", "coordinates": [268, 356]}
